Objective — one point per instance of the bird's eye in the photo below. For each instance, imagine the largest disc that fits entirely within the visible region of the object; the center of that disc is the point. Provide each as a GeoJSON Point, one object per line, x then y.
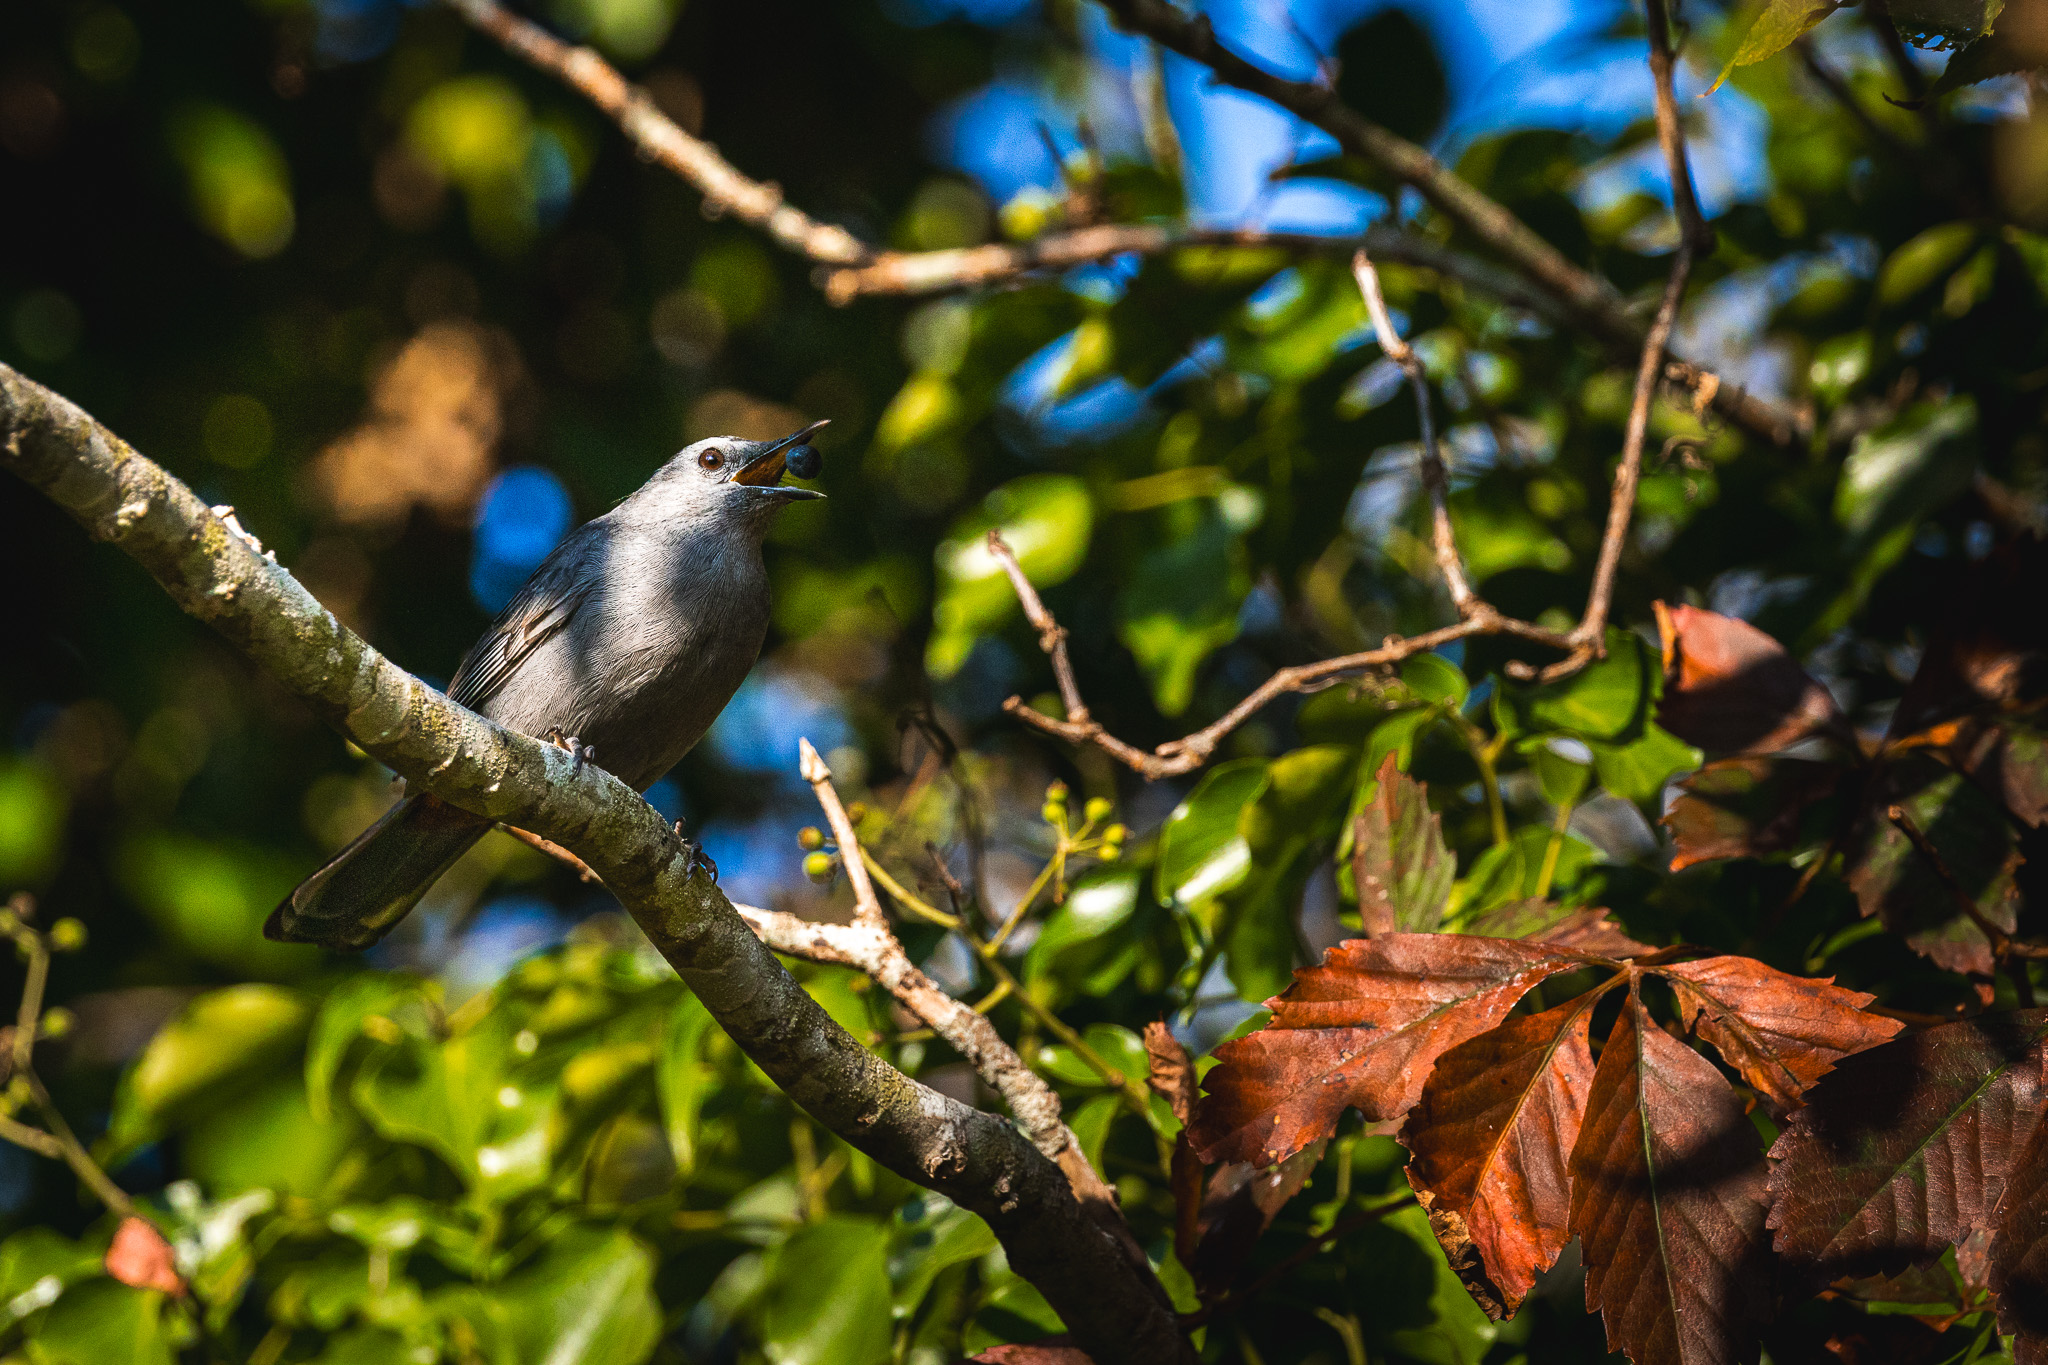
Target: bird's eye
{"type": "Point", "coordinates": [711, 460]}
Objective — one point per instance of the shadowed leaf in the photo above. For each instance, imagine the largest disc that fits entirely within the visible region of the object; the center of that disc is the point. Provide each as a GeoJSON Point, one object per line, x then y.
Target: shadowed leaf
{"type": "Point", "coordinates": [1918, 900]}
{"type": "Point", "coordinates": [1905, 1148]}
{"type": "Point", "coordinates": [1781, 1032]}
{"type": "Point", "coordinates": [1361, 1031]}
{"type": "Point", "coordinates": [1242, 1202]}
{"type": "Point", "coordinates": [1745, 808]}
{"type": "Point", "coordinates": [1491, 1136]}
{"type": "Point", "coordinates": [1668, 1202]}
{"type": "Point", "coordinates": [2019, 1253]}
{"type": "Point", "coordinates": [1403, 871]}
{"type": "Point", "coordinates": [1731, 689]}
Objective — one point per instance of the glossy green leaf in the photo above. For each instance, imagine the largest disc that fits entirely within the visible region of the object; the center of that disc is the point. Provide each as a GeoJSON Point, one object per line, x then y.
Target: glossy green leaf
{"type": "Point", "coordinates": [1639, 769]}
{"type": "Point", "coordinates": [1088, 944]}
{"type": "Point", "coordinates": [102, 1321]}
{"type": "Point", "coordinates": [1907, 468]}
{"type": "Point", "coordinates": [928, 1235]}
{"type": "Point", "coordinates": [36, 1264]}
{"type": "Point", "coordinates": [1046, 519]}
{"type": "Point", "coordinates": [341, 1021]}
{"type": "Point", "coordinates": [684, 1077]}
{"type": "Point", "coordinates": [828, 1300]}
{"type": "Point", "coordinates": [1776, 27]}
{"type": "Point", "coordinates": [269, 1138]}
{"type": "Point", "coordinates": [1609, 700]}
{"type": "Point", "coordinates": [222, 1041]}
{"type": "Point", "coordinates": [587, 1299]}
{"type": "Point", "coordinates": [1201, 853]}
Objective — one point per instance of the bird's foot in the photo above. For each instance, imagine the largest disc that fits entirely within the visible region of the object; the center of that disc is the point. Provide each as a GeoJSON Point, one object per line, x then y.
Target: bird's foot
{"type": "Point", "coordinates": [579, 752]}
{"type": "Point", "coordinates": [694, 851]}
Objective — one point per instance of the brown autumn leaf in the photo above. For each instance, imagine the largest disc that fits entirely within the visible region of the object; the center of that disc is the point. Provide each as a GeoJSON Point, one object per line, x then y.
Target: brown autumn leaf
{"type": "Point", "coordinates": [1398, 859]}
{"type": "Point", "coordinates": [141, 1258]}
{"type": "Point", "coordinates": [1491, 1136]}
{"type": "Point", "coordinates": [1781, 1032]}
{"type": "Point", "coordinates": [1587, 929]}
{"type": "Point", "coordinates": [1731, 689]}
{"type": "Point", "coordinates": [1905, 1149]}
{"type": "Point", "coordinates": [1668, 1202]}
{"type": "Point", "coordinates": [1746, 807]}
{"type": "Point", "coordinates": [2019, 1252]}
{"type": "Point", "coordinates": [1172, 1075]}
{"type": "Point", "coordinates": [1361, 1031]}
{"type": "Point", "coordinates": [1051, 1351]}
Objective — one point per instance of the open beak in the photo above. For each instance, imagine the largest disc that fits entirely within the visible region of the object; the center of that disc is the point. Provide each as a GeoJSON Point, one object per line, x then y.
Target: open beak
{"type": "Point", "coordinates": [765, 469]}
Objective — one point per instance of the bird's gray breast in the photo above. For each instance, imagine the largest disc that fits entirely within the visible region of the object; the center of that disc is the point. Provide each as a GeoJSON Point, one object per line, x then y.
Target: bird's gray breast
{"type": "Point", "coordinates": [667, 628]}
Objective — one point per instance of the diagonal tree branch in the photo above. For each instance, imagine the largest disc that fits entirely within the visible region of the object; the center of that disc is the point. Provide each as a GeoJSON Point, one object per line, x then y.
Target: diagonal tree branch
{"type": "Point", "coordinates": [1115, 1309]}
{"type": "Point", "coordinates": [852, 268]}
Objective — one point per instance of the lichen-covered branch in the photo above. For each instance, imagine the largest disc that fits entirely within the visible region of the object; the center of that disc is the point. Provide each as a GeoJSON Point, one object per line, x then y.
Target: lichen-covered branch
{"type": "Point", "coordinates": [1116, 1310]}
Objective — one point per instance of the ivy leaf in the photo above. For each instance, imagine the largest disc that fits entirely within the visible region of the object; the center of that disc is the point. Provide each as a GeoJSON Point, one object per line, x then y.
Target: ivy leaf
{"type": "Point", "coordinates": [1398, 859]}
{"type": "Point", "coordinates": [1668, 1202]}
{"type": "Point", "coordinates": [1361, 1031]}
{"type": "Point", "coordinates": [1782, 1032]}
{"type": "Point", "coordinates": [1731, 689]}
{"type": "Point", "coordinates": [1491, 1135]}
{"type": "Point", "coordinates": [1905, 1149]}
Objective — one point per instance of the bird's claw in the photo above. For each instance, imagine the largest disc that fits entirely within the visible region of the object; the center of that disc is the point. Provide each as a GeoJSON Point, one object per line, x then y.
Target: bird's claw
{"type": "Point", "coordinates": [694, 851]}
{"type": "Point", "coordinates": [579, 752]}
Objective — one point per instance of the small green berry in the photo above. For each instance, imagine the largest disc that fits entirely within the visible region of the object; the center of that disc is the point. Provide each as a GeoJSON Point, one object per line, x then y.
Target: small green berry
{"type": "Point", "coordinates": [810, 838]}
{"type": "Point", "coordinates": [1115, 834]}
{"type": "Point", "coordinates": [1053, 812]}
{"type": "Point", "coordinates": [57, 1022]}
{"type": "Point", "coordinates": [1056, 794]}
{"type": "Point", "coordinates": [819, 867]}
{"type": "Point", "coordinates": [67, 935]}
{"type": "Point", "coordinates": [857, 812]}
{"type": "Point", "coordinates": [1098, 808]}
{"type": "Point", "coordinates": [1110, 853]}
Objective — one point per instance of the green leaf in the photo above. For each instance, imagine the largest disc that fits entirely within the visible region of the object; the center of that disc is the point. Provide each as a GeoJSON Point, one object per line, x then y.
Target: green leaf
{"type": "Point", "coordinates": [1423, 1313]}
{"type": "Point", "coordinates": [1115, 1045]}
{"type": "Point", "coordinates": [101, 1321]}
{"type": "Point", "coordinates": [1180, 605]}
{"type": "Point", "coordinates": [1046, 519]}
{"type": "Point", "coordinates": [828, 1299]}
{"type": "Point", "coordinates": [456, 1098]}
{"type": "Point", "coordinates": [1511, 871]}
{"type": "Point", "coordinates": [1638, 770]}
{"type": "Point", "coordinates": [1091, 1124]}
{"type": "Point", "coordinates": [683, 1079]}
{"type": "Point", "coordinates": [32, 811]}
{"type": "Point", "coordinates": [1435, 679]}
{"type": "Point", "coordinates": [1908, 468]}
{"type": "Point", "coordinates": [1777, 27]}
{"type": "Point", "coordinates": [1201, 853]}
{"type": "Point", "coordinates": [1920, 261]}
{"type": "Point", "coordinates": [1087, 946]}
{"type": "Point", "coordinates": [343, 1014]}
{"type": "Point", "coordinates": [1607, 701]}
{"type": "Point", "coordinates": [220, 1042]}
{"type": "Point", "coordinates": [268, 1138]}
{"type": "Point", "coordinates": [929, 1234]}
{"type": "Point", "coordinates": [587, 1299]}
{"type": "Point", "coordinates": [36, 1265]}
{"type": "Point", "coordinates": [1294, 820]}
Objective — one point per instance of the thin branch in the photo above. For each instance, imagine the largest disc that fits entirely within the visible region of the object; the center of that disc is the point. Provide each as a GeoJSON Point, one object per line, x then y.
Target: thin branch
{"type": "Point", "coordinates": [661, 140]}
{"type": "Point", "coordinates": [1112, 1303]}
{"type": "Point", "coordinates": [1592, 301]}
{"type": "Point", "coordinates": [1443, 540]}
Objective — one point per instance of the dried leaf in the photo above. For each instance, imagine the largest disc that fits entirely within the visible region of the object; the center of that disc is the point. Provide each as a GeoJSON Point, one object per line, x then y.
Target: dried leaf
{"type": "Point", "coordinates": [1781, 1032]}
{"type": "Point", "coordinates": [1668, 1201]}
{"type": "Point", "coordinates": [1051, 1351]}
{"type": "Point", "coordinates": [140, 1257]}
{"type": "Point", "coordinates": [1361, 1031]}
{"type": "Point", "coordinates": [1905, 1148]}
{"type": "Point", "coordinates": [1402, 869]}
{"type": "Point", "coordinates": [1731, 689]}
{"type": "Point", "coordinates": [1491, 1136]}
{"type": "Point", "coordinates": [2019, 1253]}
{"type": "Point", "coordinates": [1587, 929]}
{"type": "Point", "coordinates": [1979, 854]}
{"type": "Point", "coordinates": [1746, 807]}
{"type": "Point", "coordinates": [1172, 1075]}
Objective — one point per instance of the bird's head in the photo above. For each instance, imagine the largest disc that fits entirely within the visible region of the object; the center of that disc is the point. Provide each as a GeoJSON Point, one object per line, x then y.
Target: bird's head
{"type": "Point", "coordinates": [735, 480]}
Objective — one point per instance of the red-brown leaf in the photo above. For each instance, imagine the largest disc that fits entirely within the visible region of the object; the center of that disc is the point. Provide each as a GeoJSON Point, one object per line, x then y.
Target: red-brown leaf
{"type": "Point", "coordinates": [1241, 1204]}
{"type": "Point", "coordinates": [1904, 1149]}
{"type": "Point", "coordinates": [140, 1257]}
{"type": "Point", "coordinates": [1491, 1136]}
{"type": "Point", "coordinates": [1781, 1032]}
{"type": "Point", "coordinates": [1587, 929]}
{"type": "Point", "coordinates": [2019, 1253]}
{"type": "Point", "coordinates": [1668, 1202]}
{"type": "Point", "coordinates": [1731, 689]}
{"type": "Point", "coordinates": [1745, 807]}
{"type": "Point", "coordinates": [1361, 1031]}
{"type": "Point", "coordinates": [1051, 1351]}
{"type": "Point", "coordinates": [1172, 1075]}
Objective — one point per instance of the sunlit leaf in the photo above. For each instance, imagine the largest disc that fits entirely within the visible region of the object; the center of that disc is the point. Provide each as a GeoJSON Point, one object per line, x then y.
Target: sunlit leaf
{"type": "Point", "coordinates": [1731, 689]}
{"type": "Point", "coordinates": [828, 1300]}
{"type": "Point", "coordinates": [1201, 853]}
{"type": "Point", "coordinates": [1400, 865]}
{"type": "Point", "coordinates": [1045, 518]}
{"type": "Point", "coordinates": [1777, 27]}
{"type": "Point", "coordinates": [222, 1041]}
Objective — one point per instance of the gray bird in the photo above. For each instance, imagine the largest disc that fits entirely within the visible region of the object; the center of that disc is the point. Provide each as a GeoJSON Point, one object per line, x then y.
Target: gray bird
{"type": "Point", "coordinates": [625, 645]}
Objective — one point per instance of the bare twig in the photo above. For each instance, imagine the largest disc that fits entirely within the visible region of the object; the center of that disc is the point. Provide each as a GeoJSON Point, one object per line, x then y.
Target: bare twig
{"type": "Point", "coordinates": [661, 140]}
{"type": "Point", "coordinates": [1443, 540]}
{"type": "Point", "coordinates": [554, 850]}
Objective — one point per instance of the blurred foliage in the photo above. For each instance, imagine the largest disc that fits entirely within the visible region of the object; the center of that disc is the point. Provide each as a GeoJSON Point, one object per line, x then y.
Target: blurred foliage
{"type": "Point", "coordinates": [343, 266]}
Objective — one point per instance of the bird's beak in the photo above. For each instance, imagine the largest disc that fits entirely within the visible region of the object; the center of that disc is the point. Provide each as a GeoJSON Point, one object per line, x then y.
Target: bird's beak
{"type": "Point", "coordinates": [765, 469]}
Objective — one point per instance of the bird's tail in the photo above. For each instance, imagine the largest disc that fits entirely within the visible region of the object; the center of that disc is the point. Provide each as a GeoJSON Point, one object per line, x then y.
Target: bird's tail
{"type": "Point", "coordinates": [369, 886]}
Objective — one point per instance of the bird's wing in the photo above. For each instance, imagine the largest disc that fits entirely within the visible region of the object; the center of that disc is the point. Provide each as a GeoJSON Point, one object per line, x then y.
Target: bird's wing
{"type": "Point", "coordinates": [542, 610]}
